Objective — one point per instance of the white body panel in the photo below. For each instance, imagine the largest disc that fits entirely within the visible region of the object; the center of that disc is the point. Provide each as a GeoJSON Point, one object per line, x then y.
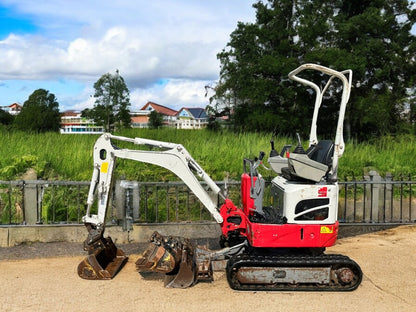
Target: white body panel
{"type": "Point", "coordinates": [295, 192]}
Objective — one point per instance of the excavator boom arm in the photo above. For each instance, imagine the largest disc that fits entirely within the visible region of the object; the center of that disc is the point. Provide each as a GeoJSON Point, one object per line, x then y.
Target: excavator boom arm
{"type": "Point", "coordinates": [173, 157]}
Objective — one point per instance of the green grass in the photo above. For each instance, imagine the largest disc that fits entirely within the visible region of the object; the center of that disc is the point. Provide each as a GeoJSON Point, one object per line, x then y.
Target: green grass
{"type": "Point", "coordinates": [69, 157]}
{"type": "Point", "coordinates": [54, 156]}
{"type": "Point", "coordinates": [394, 155]}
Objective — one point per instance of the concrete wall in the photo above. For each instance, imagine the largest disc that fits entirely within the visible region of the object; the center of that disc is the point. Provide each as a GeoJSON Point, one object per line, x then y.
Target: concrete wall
{"type": "Point", "coordinates": [15, 235]}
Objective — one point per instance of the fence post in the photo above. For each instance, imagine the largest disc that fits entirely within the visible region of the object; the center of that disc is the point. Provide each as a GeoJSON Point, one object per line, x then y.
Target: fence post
{"type": "Point", "coordinates": [127, 198]}
{"type": "Point", "coordinates": [389, 200]}
{"type": "Point", "coordinates": [375, 195]}
{"type": "Point", "coordinates": [118, 200]}
{"type": "Point", "coordinates": [30, 203]}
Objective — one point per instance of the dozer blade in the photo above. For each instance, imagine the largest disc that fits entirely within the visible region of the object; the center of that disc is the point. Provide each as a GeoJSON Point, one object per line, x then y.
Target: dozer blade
{"type": "Point", "coordinates": [104, 262]}
{"type": "Point", "coordinates": [173, 256]}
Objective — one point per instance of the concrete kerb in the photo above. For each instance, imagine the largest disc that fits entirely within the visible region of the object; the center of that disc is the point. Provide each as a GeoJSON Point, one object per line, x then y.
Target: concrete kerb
{"type": "Point", "coordinates": [16, 235]}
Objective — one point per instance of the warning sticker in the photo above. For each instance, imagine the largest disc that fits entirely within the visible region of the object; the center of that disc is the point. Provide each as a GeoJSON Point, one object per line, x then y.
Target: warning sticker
{"type": "Point", "coordinates": [326, 230]}
{"type": "Point", "coordinates": [104, 167]}
{"type": "Point", "coordinates": [323, 192]}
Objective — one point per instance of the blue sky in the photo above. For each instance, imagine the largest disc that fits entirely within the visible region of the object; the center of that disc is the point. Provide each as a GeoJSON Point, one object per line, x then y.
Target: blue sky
{"type": "Point", "coordinates": [165, 50]}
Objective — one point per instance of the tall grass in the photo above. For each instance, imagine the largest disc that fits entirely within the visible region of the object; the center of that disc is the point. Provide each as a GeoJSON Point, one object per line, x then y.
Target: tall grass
{"type": "Point", "coordinates": [389, 154]}
{"type": "Point", "coordinates": [55, 156]}
{"type": "Point", "coordinates": [69, 157]}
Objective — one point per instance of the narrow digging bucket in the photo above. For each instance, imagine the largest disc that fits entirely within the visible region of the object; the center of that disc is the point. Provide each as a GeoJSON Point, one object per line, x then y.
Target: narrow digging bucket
{"type": "Point", "coordinates": [173, 256]}
{"type": "Point", "coordinates": [186, 275]}
{"type": "Point", "coordinates": [103, 263]}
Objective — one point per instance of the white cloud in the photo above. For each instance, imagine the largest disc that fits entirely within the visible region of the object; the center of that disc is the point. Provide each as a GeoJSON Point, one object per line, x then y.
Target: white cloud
{"type": "Point", "coordinates": [146, 40]}
{"type": "Point", "coordinates": [119, 48]}
{"type": "Point", "coordinates": [174, 93]}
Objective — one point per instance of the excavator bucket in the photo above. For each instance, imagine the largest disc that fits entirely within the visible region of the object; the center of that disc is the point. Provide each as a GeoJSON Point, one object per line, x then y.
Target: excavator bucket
{"type": "Point", "coordinates": [102, 263]}
{"type": "Point", "coordinates": [173, 256]}
{"type": "Point", "coordinates": [156, 258]}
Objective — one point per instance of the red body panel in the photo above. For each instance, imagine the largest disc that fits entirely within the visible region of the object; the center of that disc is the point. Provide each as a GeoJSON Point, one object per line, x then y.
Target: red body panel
{"type": "Point", "coordinates": [276, 235]}
{"type": "Point", "coordinates": [292, 235]}
{"type": "Point", "coordinates": [246, 200]}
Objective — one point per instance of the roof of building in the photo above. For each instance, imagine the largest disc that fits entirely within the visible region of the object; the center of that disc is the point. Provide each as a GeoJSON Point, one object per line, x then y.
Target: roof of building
{"type": "Point", "coordinates": [196, 112]}
{"type": "Point", "coordinates": [70, 113]}
{"type": "Point", "coordinates": [15, 105]}
{"type": "Point", "coordinates": [160, 109]}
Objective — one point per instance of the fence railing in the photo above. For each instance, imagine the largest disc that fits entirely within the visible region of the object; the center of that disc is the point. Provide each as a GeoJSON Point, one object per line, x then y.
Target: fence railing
{"type": "Point", "coordinates": [377, 201]}
{"type": "Point", "coordinates": [38, 202]}
{"type": "Point", "coordinates": [372, 201]}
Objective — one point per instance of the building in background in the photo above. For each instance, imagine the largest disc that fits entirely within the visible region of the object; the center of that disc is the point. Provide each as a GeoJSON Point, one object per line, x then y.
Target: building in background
{"type": "Point", "coordinates": [73, 123]}
{"type": "Point", "coordinates": [140, 119]}
{"type": "Point", "coordinates": [191, 118]}
{"type": "Point", "coordinates": [185, 118]}
{"type": "Point", "coordinates": [13, 109]}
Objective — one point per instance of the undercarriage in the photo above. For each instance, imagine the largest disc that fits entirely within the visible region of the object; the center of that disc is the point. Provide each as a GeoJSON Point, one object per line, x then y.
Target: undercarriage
{"type": "Point", "coordinates": [247, 268]}
{"type": "Point", "coordinates": [293, 273]}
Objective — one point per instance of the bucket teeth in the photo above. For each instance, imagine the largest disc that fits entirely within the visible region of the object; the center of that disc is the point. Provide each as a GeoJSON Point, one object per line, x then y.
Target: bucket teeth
{"type": "Point", "coordinates": [103, 263]}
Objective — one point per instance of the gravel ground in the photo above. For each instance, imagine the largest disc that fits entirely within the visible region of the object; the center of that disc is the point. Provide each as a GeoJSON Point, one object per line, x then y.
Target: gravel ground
{"type": "Point", "coordinates": [43, 277]}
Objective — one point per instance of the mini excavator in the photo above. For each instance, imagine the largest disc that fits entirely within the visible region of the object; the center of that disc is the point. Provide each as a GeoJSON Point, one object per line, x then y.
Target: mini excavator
{"type": "Point", "coordinates": [278, 247]}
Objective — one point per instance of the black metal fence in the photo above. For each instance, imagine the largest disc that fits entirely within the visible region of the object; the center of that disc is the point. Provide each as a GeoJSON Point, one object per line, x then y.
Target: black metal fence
{"type": "Point", "coordinates": [377, 201]}
{"type": "Point", "coordinates": [371, 201]}
{"type": "Point", "coordinates": [38, 202]}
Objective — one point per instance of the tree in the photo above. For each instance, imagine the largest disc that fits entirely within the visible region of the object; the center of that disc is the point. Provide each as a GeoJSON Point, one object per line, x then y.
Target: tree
{"type": "Point", "coordinates": [254, 67]}
{"type": "Point", "coordinates": [112, 102]}
{"type": "Point", "coordinates": [155, 120]}
{"type": "Point", "coordinates": [6, 118]}
{"type": "Point", "coordinates": [40, 113]}
{"type": "Point", "coordinates": [370, 37]}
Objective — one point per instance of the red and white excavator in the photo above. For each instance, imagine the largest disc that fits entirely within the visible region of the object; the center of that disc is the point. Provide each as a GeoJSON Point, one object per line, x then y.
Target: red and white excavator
{"type": "Point", "coordinates": [276, 247]}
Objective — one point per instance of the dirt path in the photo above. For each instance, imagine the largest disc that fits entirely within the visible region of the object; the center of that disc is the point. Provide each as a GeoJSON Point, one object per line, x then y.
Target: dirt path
{"type": "Point", "coordinates": [388, 260]}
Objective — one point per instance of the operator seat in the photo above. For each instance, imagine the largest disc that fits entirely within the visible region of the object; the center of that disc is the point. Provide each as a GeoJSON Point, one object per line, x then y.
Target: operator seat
{"type": "Point", "coordinates": [312, 165]}
{"type": "Point", "coordinates": [322, 152]}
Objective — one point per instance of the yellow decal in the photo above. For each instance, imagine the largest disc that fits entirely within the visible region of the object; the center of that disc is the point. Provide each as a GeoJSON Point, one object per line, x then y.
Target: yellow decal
{"type": "Point", "coordinates": [104, 167]}
{"type": "Point", "coordinates": [326, 230]}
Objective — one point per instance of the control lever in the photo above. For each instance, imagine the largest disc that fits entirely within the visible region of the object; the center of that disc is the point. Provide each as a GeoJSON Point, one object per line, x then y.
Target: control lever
{"type": "Point", "coordinates": [273, 152]}
{"type": "Point", "coordinates": [299, 149]}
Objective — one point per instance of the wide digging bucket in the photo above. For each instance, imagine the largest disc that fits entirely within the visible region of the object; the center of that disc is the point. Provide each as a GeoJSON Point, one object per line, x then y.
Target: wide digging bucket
{"type": "Point", "coordinates": [173, 256]}
{"type": "Point", "coordinates": [103, 263]}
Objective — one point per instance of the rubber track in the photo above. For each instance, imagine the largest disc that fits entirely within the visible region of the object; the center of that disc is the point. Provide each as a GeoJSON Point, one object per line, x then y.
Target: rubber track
{"type": "Point", "coordinates": [324, 260]}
